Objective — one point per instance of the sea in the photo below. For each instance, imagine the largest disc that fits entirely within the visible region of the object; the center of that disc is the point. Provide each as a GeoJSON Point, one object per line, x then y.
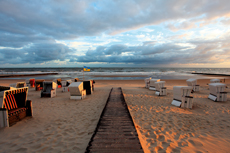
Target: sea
{"type": "Point", "coordinates": [115, 73]}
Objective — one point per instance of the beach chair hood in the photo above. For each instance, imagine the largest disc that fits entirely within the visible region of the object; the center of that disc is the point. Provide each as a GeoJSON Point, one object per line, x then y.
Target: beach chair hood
{"type": "Point", "coordinates": [180, 91]}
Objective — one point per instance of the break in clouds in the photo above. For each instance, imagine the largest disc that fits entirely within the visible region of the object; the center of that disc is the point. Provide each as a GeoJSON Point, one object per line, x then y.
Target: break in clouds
{"type": "Point", "coordinates": [175, 32]}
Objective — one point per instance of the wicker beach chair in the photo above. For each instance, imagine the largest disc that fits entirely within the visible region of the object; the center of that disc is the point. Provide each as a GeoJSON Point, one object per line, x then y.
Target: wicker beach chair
{"type": "Point", "coordinates": [147, 82]}
{"type": "Point", "coordinates": [217, 92]}
{"type": "Point", "coordinates": [181, 96]}
{"type": "Point", "coordinates": [160, 88]}
{"type": "Point", "coordinates": [58, 81]}
{"type": "Point", "coordinates": [77, 91]}
{"type": "Point", "coordinates": [152, 84]}
{"type": "Point", "coordinates": [39, 84]}
{"type": "Point", "coordinates": [49, 89]}
{"type": "Point", "coordinates": [75, 80]}
{"type": "Point", "coordinates": [30, 83]}
{"type": "Point", "coordinates": [193, 83]}
{"type": "Point", "coordinates": [18, 85]}
{"type": "Point", "coordinates": [14, 105]}
{"type": "Point", "coordinates": [65, 84]}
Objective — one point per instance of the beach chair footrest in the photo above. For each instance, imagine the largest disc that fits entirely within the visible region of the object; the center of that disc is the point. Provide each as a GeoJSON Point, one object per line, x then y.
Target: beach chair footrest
{"type": "Point", "coordinates": [176, 103]}
{"type": "Point", "coordinates": [152, 88]}
{"type": "Point", "coordinates": [16, 117]}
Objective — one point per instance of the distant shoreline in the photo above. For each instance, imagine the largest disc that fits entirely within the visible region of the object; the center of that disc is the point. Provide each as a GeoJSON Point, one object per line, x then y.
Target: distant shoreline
{"type": "Point", "coordinates": [20, 75]}
{"type": "Point", "coordinates": [212, 74]}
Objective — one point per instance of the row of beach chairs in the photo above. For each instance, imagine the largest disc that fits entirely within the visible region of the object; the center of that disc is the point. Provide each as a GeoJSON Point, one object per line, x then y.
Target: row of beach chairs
{"type": "Point", "coordinates": [181, 94]}
{"type": "Point", "coordinates": [78, 90]}
{"type": "Point", "coordinates": [14, 105]}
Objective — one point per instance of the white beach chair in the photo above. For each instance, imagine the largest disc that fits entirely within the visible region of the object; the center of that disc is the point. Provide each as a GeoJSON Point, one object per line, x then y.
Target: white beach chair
{"type": "Point", "coordinates": [193, 84]}
{"type": "Point", "coordinates": [49, 89]}
{"type": "Point", "coordinates": [215, 81]}
{"type": "Point", "coordinates": [181, 96]}
{"type": "Point", "coordinates": [152, 85]}
{"type": "Point", "coordinates": [217, 92]}
{"type": "Point", "coordinates": [160, 89]}
{"type": "Point", "coordinates": [76, 90]}
{"type": "Point", "coordinates": [147, 82]}
{"type": "Point", "coordinates": [65, 85]}
{"type": "Point", "coordinates": [30, 83]}
{"type": "Point", "coordinates": [18, 85]}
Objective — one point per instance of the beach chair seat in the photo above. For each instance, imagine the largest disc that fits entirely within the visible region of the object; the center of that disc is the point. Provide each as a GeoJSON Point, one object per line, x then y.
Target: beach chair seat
{"type": "Point", "coordinates": [161, 90]}
{"type": "Point", "coordinates": [49, 89]}
{"type": "Point", "coordinates": [77, 91]}
{"type": "Point", "coordinates": [217, 92]}
{"type": "Point", "coordinates": [14, 106]}
{"type": "Point", "coordinates": [88, 86]}
{"type": "Point", "coordinates": [193, 83]}
{"type": "Point", "coordinates": [181, 96]}
{"type": "Point", "coordinates": [152, 84]}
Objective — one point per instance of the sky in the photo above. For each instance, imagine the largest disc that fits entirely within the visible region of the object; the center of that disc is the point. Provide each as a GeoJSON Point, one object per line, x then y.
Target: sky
{"type": "Point", "coordinates": [106, 33]}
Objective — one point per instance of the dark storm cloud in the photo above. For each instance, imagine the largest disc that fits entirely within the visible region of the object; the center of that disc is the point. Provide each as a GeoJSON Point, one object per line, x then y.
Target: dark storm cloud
{"type": "Point", "coordinates": [204, 52]}
{"type": "Point", "coordinates": [71, 19]}
{"type": "Point", "coordinates": [36, 53]}
{"type": "Point", "coordinates": [29, 29]}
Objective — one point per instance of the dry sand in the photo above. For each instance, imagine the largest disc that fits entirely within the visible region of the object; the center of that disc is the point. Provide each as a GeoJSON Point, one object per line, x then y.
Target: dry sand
{"type": "Point", "coordinates": [63, 125]}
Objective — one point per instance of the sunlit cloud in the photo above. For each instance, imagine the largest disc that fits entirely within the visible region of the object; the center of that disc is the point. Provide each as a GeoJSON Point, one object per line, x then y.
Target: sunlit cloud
{"type": "Point", "coordinates": [60, 33]}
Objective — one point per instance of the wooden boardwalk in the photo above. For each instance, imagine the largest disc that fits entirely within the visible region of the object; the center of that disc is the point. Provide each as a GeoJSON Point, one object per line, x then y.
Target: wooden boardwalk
{"type": "Point", "coordinates": [115, 132]}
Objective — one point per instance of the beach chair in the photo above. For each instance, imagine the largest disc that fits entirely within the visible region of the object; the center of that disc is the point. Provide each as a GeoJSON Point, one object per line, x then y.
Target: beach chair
{"type": "Point", "coordinates": [88, 86]}
{"type": "Point", "coordinates": [193, 84]}
{"type": "Point", "coordinates": [65, 85]}
{"type": "Point", "coordinates": [30, 83]}
{"type": "Point", "coordinates": [49, 89]}
{"type": "Point", "coordinates": [39, 84]}
{"type": "Point", "coordinates": [152, 84]}
{"type": "Point", "coordinates": [18, 85]}
{"type": "Point", "coordinates": [75, 80]}
{"type": "Point", "coordinates": [14, 105]}
{"type": "Point", "coordinates": [76, 90]}
{"type": "Point", "coordinates": [147, 82]}
{"type": "Point", "coordinates": [215, 81]}
{"type": "Point", "coordinates": [160, 88]}
{"type": "Point", "coordinates": [181, 96]}
{"type": "Point", "coordinates": [58, 81]}
{"type": "Point", "coordinates": [217, 92]}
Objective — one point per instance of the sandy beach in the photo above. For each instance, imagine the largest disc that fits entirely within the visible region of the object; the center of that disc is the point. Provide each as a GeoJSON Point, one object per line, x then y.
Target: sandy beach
{"type": "Point", "coordinates": [63, 125]}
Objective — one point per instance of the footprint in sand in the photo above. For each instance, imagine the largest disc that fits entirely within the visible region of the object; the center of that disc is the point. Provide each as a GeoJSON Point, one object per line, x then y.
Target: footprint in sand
{"type": "Point", "coordinates": [21, 150]}
{"type": "Point", "coordinates": [158, 149]}
{"type": "Point", "coordinates": [165, 144]}
{"type": "Point", "coordinates": [160, 137]}
{"type": "Point", "coordinates": [40, 133]}
{"type": "Point", "coordinates": [195, 143]}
